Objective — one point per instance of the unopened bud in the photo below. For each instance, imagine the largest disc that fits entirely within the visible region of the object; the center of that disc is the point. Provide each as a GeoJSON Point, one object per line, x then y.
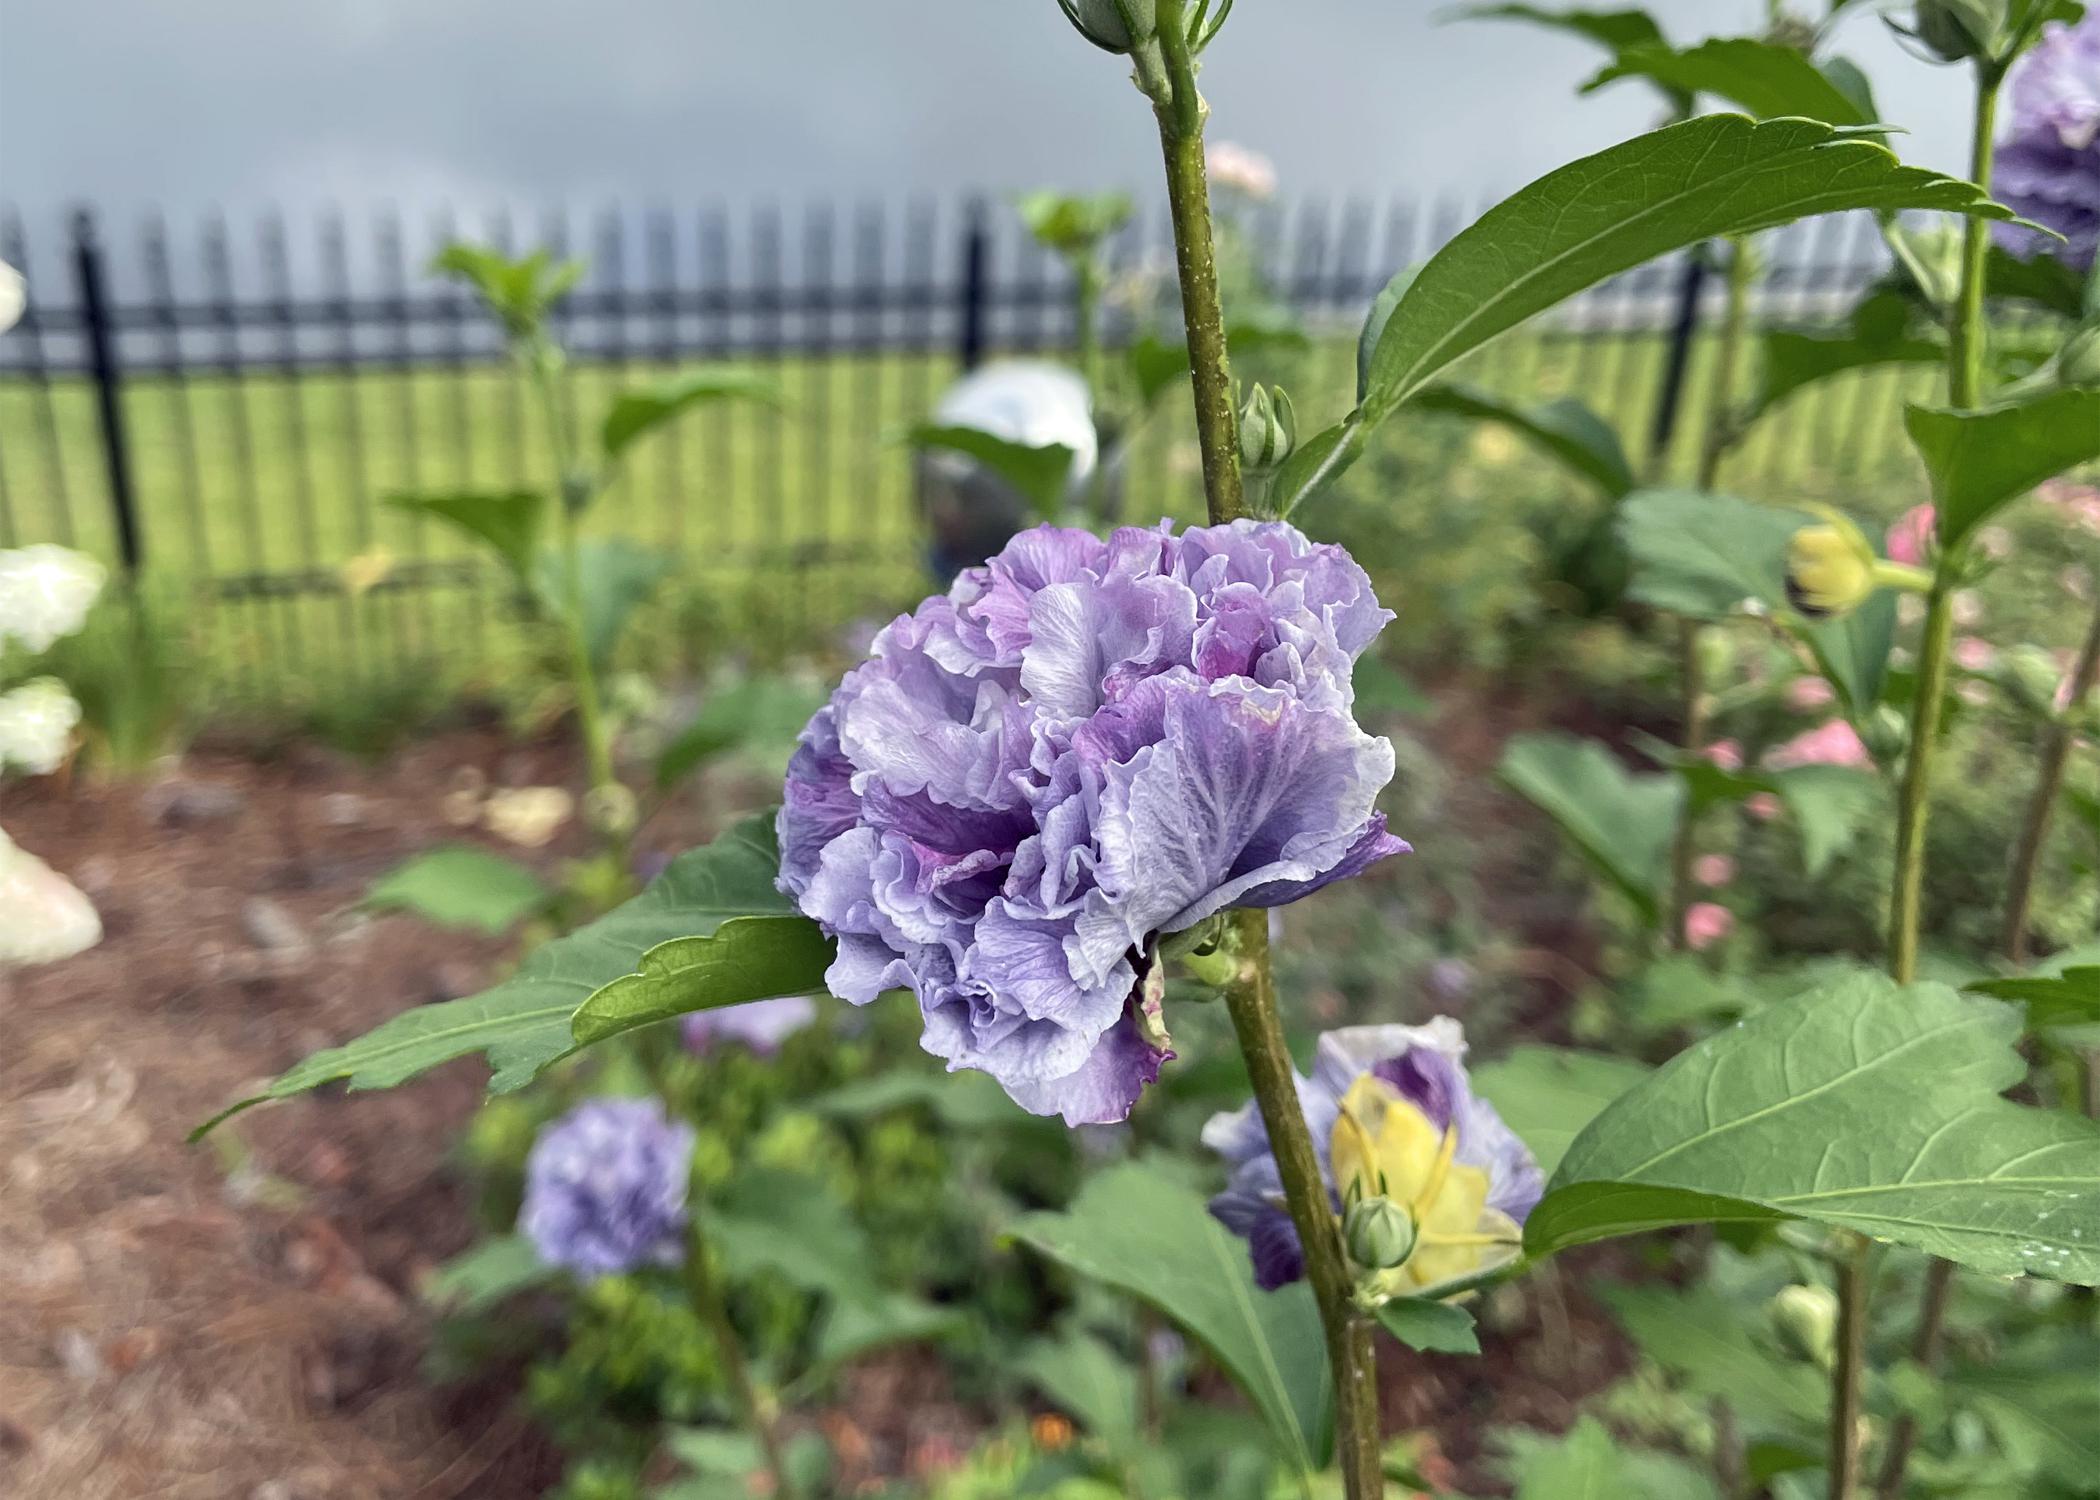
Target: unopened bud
{"type": "Point", "coordinates": [1378, 1233]}
{"type": "Point", "coordinates": [1113, 25]}
{"type": "Point", "coordinates": [1806, 1318]}
{"type": "Point", "coordinates": [611, 809]}
{"type": "Point", "coordinates": [1829, 570]}
{"type": "Point", "coordinates": [1268, 428]}
{"type": "Point", "coordinates": [1955, 30]}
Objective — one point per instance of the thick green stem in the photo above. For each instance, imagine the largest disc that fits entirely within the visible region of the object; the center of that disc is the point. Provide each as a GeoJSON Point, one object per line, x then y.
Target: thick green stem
{"type": "Point", "coordinates": [753, 1404]}
{"type": "Point", "coordinates": [1720, 437]}
{"type": "Point", "coordinates": [2055, 759]}
{"type": "Point", "coordinates": [1848, 1368]}
{"type": "Point", "coordinates": [1251, 998]}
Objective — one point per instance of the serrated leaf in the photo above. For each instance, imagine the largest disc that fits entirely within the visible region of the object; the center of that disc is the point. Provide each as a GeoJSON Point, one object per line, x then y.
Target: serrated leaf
{"type": "Point", "coordinates": [1765, 79]}
{"type": "Point", "coordinates": [636, 413]}
{"type": "Point", "coordinates": [507, 522]}
{"type": "Point", "coordinates": [745, 959]}
{"type": "Point", "coordinates": [1863, 1104]}
{"type": "Point", "coordinates": [1616, 31]}
{"type": "Point", "coordinates": [1982, 460]}
{"type": "Point", "coordinates": [2068, 998]}
{"type": "Point", "coordinates": [1133, 1228]}
{"type": "Point", "coordinates": [523, 1024]}
{"type": "Point", "coordinates": [1701, 179]}
{"type": "Point", "coordinates": [457, 885]}
{"type": "Point", "coordinates": [1548, 1094]}
{"type": "Point", "coordinates": [1565, 428]}
{"type": "Point", "coordinates": [1585, 1464]}
{"type": "Point", "coordinates": [1040, 473]}
{"type": "Point", "coordinates": [1432, 1327]}
{"type": "Point", "coordinates": [1623, 821]}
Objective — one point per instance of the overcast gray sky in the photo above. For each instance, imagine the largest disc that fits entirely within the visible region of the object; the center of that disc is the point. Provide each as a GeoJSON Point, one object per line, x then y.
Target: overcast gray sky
{"type": "Point", "coordinates": [181, 103]}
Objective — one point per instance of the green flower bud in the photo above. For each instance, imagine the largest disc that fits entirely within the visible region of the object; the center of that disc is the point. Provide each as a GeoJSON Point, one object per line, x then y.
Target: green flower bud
{"type": "Point", "coordinates": [1268, 429]}
{"type": "Point", "coordinates": [1378, 1233]}
{"type": "Point", "coordinates": [1955, 30]}
{"type": "Point", "coordinates": [1886, 734]}
{"type": "Point", "coordinates": [1112, 25]}
{"type": "Point", "coordinates": [1806, 1318]}
{"type": "Point", "coordinates": [2031, 678]}
{"type": "Point", "coordinates": [2079, 363]}
{"type": "Point", "coordinates": [1829, 570]}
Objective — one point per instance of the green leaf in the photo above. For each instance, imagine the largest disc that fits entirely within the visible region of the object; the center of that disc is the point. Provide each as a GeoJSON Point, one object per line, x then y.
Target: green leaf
{"type": "Point", "coordinates": [637, 413]}
{"type": "Point", "coordinates": [1794, 360]}
{"type": "Point", "coordinates": [523, 1023]}
{"type": "Point", "coordinates": [1089, 1382]}
{"type": "Point", "coordinates": [1863, 1104]}
{"type": "Point", "coordinates": [1765, 79]}
{"type": "Point", "coordinates": [618, 576]}
{"type": "Point", "coordinates": [1830, 805]}
{"type": "Point", "coordinates": [1567, 429]}
{"type": "Point", "coordinates": [1432, 1327]}
{"type": "Point", "coordinates": [1608, 213]}
{"type": "Point", "coordinates": [507, 522]}
{"type": "Point", "coordinates": [745, 959]}
{"type": "Point", "coordinates": [457, 885]}
{"type": "Point", "coordinates": [1150, 1236]}
{"type": "Point", "coordinates": [1317, 462]}
{"type": "Point", "coordinates": [2069, 998]}
{"type": "Point", "coordinates": [1981, 460]}
{"type": "Point", "coordinates": [1548, 1094]}
{"type": "Point", "coordinates": [492, 1271]}
{"type": "Point", "coordinates": [1616, 31]}
{"type": "Point", "coordinates": [1156, 363]}
{"type": "Point", "coordinates": [759, 715]}
{"type": "Point", "coordinates": [2041, 278]}
{"type": "Point", "coordinates": [520, 291]}
{"type": "Point", "coordinates": [1698, 1335]}
{"type": "Point", "coordinates": [2052, 1412]}
{"type": "Point", "coordinates": [1621, 820]}
{"type": "Point", "coordinates": [1853, 651]}
{"type": "Point", "coordinates": [1586, 1464]}
{"type": "Point", "coordinates": [966, 1101]}
{"type": "Point", "coordinates": [1070, 223]}
{"type": "Point", "coordinates": [1041, 474]}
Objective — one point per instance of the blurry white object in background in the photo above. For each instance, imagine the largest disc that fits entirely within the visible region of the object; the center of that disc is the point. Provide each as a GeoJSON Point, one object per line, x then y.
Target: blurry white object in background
{"type": "Point", "coordinates": [970, 510]}
{"type": "Point", "coordinates": [45, 591]}
{"type": "Point", "coordinates": [1237, 169]}
{"type": "Point", "coordinates": [43, 916]}
{"type": "Point", "coordinates": [37, 720]}
{"type": "Point", "coordinates": [14, 296]}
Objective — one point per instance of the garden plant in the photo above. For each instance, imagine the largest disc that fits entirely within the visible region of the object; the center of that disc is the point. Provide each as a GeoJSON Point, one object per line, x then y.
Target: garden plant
{"type": "Point", "coordinates": [1046, 825]}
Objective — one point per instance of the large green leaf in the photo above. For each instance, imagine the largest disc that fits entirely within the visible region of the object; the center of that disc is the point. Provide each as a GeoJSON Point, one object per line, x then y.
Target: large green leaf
{"type": "Point", "coordinates": [1616, 31]}
{"type": "Point", "coordinates": [636, 413]}
{"type": "Point", "coordinates": [744, 959]}
{"type": "Point", "coordinates": [1147, 1234]}
{"type": "Point", "coordinates": [1792, 360]}
{"type": "Point", "coordinates": [1090, 1381]}
{"type": "Point", "coordinates": [1765, 79]}
{"type": "Point", "coordinates": [1039, 473]}
{"type": "Point", "coordinates": [1565, 428]}
{"type": "Point", "coordinates": [523, 1024]}
{"type": "Point", "coordinates": [457, 885]}
{"type": "Point", "coordinates": [1548, 1094]}
{"type": "Point", "coordinates": [1863, 1104]}
{"type": "Point", "coordinates": [1623, 821]}
{"type": "Point", "coordinates": [1585, 1464]}
{"type": "Point", "coordinates": [1981, 460]}
{"type": "Point", "coordinates": [506, 521]}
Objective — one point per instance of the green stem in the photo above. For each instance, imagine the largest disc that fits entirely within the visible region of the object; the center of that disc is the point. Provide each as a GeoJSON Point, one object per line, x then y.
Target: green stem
{"type": "Point", "coordinates": [1967, 338]}
{"type": "Point", "coordinates": [2055, 758]}
{"type": "Point", "coordinates": [1251, 993]}
{"type": "Point", "coordinates": [1848, 1368]}
{"type": "Point", "coordinates": [1927, 1349]}
{"type": "Point", "coordinates": [753, 1404]}
{"type": "Point", "coordinates": [1086, 303]}
{"type": "Point", "coordinates": [1251, 998]}
{"type": "Point", "coordinates": [1720, 438]}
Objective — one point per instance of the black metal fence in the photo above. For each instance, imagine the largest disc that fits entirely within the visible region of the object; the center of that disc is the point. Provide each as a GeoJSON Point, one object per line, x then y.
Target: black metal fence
{"type": "Point", "coordinates": [220, 415]}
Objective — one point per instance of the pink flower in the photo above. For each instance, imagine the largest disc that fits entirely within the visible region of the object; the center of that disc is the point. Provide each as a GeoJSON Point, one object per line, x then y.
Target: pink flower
{"type": "Point", "coordinates": [1836, 743]}
{"type": "Point", "coordinates": [1713, 869]}
{"type": "Point", "coordinates": [1807, 694]}
{"type": "Point", "coordinates": [1726, 754]}
{"type": "Point", "coordinates": [1763, 806]}
{"type": "Point", "coordinates": [1909, 538]}
{"type": "Point", "coordinates": [1706, 923]}
{"type": "Point", "coordinates": [1973, 654]}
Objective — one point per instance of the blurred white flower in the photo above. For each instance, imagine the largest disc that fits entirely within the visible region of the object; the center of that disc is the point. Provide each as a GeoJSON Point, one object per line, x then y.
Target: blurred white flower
{"type": "Point", "coordinates": [1243, 171]}
{"type": "Point", "coordinates": [45, 591]}
{"type": "Point", "coordinates": [14, 296]}
{"type": "Point", "coordinates": [527, 815]}
{"type": "Point", "coordinates": [37, 721]}
{"type": "Point", "coordinates": [43, 916]}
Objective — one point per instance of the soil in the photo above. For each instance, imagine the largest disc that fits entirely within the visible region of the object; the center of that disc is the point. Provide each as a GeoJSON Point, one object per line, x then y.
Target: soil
{"type": "Point", "coordinates": [239, 1320]}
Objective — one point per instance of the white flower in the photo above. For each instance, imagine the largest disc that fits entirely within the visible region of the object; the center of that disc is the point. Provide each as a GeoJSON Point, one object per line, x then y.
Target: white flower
{"type": "Point", "coordinates": [14, 296]}
{"type": "Point", "coordinates": [45, 591]}
{"type": "Point", "coordinates": [1241, 170]}
{"type": "Point", "coordinates": [527, 815]}
{"type": "Point", "coordinates": [43, 916]}
{"type": "Point", "coordinates": [37, 721]}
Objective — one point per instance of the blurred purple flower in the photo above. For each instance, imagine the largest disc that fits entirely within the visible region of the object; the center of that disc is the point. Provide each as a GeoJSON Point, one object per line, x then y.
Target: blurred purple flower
{"type": "Point", "coordinates": [1421, 1071]}
{"type": "Point", "coordinates": [762, 1025]}
{"type": "Point", "coordinates": [2048, 168]}
{"type": "Point", "coordinates": [605, 1188]}
{"type": "Point", "coordinates": [1081, 745]}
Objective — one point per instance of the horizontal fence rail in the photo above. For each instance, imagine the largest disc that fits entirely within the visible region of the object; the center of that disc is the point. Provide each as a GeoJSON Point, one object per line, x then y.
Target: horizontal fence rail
{"type": "Point", "coordinates": [220, 414]}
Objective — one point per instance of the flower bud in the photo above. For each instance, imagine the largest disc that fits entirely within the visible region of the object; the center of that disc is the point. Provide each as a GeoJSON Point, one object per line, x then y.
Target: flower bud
{"type": "Point", "coordinates": [1806, 1318]}
{"type": "Point", "coordinates": [1113, 25]}
{"type": "Point", "coordinates": [1378, 1233]}
{"type": "Point", "coordinates": [1955, 30]}
{"type": "Point", "coordinates": [2079, 363]}
{"type": "Point", "coordinates": [1829, 570]}
{"type": "Point", "coordinates": [1268, 428]}
{"type": "Point", "coordinates": [2031, 678]}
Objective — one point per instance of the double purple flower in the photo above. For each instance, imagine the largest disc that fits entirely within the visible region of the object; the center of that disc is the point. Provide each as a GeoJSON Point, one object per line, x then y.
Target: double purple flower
{"type": "Point", "coordinates": [1419, 1068]}
{"type": "Point", "coordinates": [2048, 168]}
{"type": "Point", "coordinates": [605, 1188]}
{"type": "Point", "coordinates": [1081, 746]}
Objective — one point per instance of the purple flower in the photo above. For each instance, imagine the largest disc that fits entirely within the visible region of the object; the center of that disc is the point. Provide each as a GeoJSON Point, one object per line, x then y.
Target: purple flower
{"type": "Point", "coordinates": [762, 1025]}
{"type": "Point", "coordinates": [605, 1188]}
{"type": "Point", "coordinates": [2048, 168]}
{"type": "Point", "coordinates": [1082, 745]}
{"type": "Point", "coordinates": [1380, 1103]}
